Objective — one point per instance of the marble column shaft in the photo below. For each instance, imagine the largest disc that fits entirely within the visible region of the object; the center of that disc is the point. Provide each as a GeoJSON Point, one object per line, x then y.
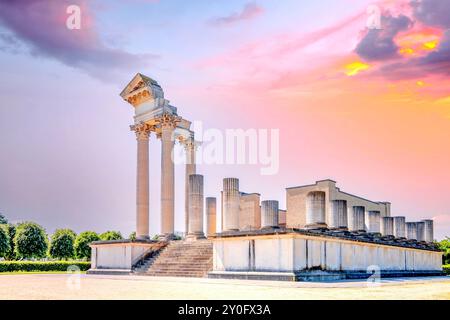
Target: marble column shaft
{"type": "Point", "coordinates": [357, 219]}
{"type": "Point", "coordinates": [189, 147]}
{"type": "Point", "coordinates": [211, 216]}
{"type": "Point", "coordinates": [411, 231]}
{"type": "Point", "coordinates": [269, 214]}
{"type": "Point", "coordinates": [231, 198]}
{"type": "Point", "coordinates": [338, 217]}
{"type": "Point", "coordinates": [315, 209]}
{"type": "Point", "coordinates": [196, 205]}
{"type": "Point", "coordinates": [420, 231]}
{"type": "Point", "coordinates": [167, 177]}
{"type": "Point", "coordinates": [142, 181]}
{"type": "Point", "coordinates": [429, 230]}
{"type": "Point", "coordinates": [387, 226]}
{"type": "Point", "coordinates": [400, 227]}
{"type": "Point", "coordinates": [373, 222]}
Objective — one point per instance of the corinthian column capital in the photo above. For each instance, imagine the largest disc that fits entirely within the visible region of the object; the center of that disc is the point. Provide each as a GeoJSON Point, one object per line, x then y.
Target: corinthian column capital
{"type": "Point", "coordinates": [142, 130]}
{"type": "Point", "coordinates": [168, 120]}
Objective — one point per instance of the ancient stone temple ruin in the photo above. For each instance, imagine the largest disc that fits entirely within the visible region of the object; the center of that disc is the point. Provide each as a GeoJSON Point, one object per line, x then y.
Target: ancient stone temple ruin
{"type": "Point", "coordinates": [324, 233]}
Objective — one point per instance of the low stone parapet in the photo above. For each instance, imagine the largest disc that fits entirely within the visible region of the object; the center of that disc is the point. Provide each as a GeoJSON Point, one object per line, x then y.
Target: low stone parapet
{"type": "Point", "coordinates": [119, 257]}
{"type": "Point", "coordinates": [319, 256]}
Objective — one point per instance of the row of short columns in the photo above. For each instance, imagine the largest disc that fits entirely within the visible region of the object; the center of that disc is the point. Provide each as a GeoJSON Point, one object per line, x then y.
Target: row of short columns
{"type": "Point", "coordinates": [231, 203]}
{"type": "Point", "coordinates": [356, 219]}
{"type": "Point", "coordinates": [196, 209]}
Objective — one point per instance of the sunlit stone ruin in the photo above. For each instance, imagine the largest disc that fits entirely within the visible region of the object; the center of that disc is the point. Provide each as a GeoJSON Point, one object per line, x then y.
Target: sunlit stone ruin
{"type": "Point", "coordinates": [324, 233]}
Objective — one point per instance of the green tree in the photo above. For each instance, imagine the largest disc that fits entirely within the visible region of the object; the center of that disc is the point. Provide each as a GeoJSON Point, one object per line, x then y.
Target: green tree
{"type": "Point", "coordinates": [62, 244]}
{"type": "Point", "coordinates": [11, 255]}
{"type": "Point", "coordinates": [4, 241]}
{"type": "Point", "coordinates": [3, 219]}
{"type": "Point", "coordinates": [30, 241]}
{"type": "Point", "coordinates": [111, 235]}
{"type": "Point", "coordinates": [132, 236]}
{"type": "Point", "coordinates": [82, 242]}
{"type": "Point", "coordinates": [444, 245]}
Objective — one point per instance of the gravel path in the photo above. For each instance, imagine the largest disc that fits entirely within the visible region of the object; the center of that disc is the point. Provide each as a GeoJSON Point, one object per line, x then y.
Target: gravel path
{"type": "Point", "coordinates": [61, 286]}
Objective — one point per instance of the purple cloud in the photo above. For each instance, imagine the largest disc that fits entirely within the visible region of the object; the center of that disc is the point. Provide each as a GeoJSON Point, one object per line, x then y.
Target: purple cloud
{"type": "Point", "coordinates": [41, 26]}
{"type": "Point", "coordinates": [250, 11]}
{"type": "Point", "coordinates": [379, 45]}
{"type": "Point", "coordinates": [435, 63]}
{"type": "Point", "coordinates": [432, 12]}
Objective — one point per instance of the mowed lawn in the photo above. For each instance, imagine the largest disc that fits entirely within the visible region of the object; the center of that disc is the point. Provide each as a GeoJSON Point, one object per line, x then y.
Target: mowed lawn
{"type": "Point", "coordinates": [63, 286]}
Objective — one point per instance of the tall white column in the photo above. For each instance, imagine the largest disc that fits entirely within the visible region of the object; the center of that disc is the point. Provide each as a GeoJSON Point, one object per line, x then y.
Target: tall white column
{"type": "Point", "coordinates": [189, 147]}
{"type": "Point", "coordinates": [168, 124]}
{"type": "Point", "coordinates": [269, 214]}
{"type": "Point", "coordinates": [142, 180]}
{"type": "Point", "coordinates": [211, 216]}
{"type": "Point", "coordinates": [230, 199]}
{"type": "Point", "coordinates": [196, 207]}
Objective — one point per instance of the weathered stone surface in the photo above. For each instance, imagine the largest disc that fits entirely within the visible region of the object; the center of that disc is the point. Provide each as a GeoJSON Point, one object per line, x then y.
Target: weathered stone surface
{"type": "Point", "coordinates": [196, 206]}
{"type": "Point", "coordinates": [211, 216]}
{"type": "Point", "coordinates": [356, 221]}
{"type": "Point", "coordinates": [269, 214]}
{"type": "Point", "coordinates": [400, 227]}
{"type": "Point", "coordinates": [231, 197]}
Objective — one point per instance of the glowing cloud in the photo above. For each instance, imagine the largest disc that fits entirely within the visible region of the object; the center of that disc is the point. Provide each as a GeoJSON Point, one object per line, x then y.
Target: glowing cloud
{"type": "Point", "coordinates": [418, 43]}
{"type": "Point", "coordinates": [354, 68]}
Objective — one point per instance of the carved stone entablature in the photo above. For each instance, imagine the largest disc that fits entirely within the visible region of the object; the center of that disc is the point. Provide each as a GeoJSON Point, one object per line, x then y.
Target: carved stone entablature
{"type": "Point", "coordinates": [139, 98]}
{"type": "Point", "coordinates": [142, 89]}
{"type": "Point", "coordinates": [142, 130]}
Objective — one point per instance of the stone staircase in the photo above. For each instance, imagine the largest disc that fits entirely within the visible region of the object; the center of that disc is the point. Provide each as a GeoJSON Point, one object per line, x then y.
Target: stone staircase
{"type": "Point", "coordinates": [179, 259]}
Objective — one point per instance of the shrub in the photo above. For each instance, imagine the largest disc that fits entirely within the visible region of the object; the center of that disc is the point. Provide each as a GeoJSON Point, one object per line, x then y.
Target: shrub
{"type": "Point", "coordinates": [11, 255]}
{"type": "Point", "coordinates": [30, 241]}
{"type": "Point", "coordinates": [111, 235]}
{"type": "Point", "coordinates": [132, 236]}
{"type": "Point", "coordinates": [3, 219]}
{"type": "Point", "coordinates": [4, 241]}
{"type": "Point", "coordinates": [446, 269]}
{"type": "Point", "coordinates": [82, 242]}
{"type": "Point", "coordinates": [28, 266]}
{"type": "Point", "coordinates": [62, 244]}
{"type": "Point", "coordinates": [447, 257]}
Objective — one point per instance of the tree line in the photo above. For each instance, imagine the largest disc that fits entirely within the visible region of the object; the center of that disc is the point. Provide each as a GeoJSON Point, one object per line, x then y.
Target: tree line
{"type": "Point", "coordinates": [28, 240]}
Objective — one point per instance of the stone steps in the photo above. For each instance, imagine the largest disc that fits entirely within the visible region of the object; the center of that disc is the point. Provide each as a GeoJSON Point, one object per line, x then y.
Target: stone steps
{"type": "Point", "coordinates": [180, 259]}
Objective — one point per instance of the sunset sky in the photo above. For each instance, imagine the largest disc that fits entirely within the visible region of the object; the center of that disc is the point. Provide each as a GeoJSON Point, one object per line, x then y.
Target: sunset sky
{"type": "Point", "coordinates": [367, 108]}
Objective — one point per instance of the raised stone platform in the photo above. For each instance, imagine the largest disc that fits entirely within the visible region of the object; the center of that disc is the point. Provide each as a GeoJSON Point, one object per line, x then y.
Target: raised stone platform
{"type": "Point", "coordinates": [320, 255]}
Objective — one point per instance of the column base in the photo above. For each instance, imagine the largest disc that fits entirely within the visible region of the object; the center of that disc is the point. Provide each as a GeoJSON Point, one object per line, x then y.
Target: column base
{"type": "Point", "coordinates": [167, 237]}
{"type": "Point", "coordinates": [195, 236]}
{"type": "Point", "coordinates": [143, 238]}
{"type": "Point", "coordinates": [315, 226]}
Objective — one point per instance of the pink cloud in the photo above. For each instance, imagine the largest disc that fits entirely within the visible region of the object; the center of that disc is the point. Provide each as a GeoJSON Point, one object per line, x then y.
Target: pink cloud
{"type": "Point", "coordinates": [277, 46]}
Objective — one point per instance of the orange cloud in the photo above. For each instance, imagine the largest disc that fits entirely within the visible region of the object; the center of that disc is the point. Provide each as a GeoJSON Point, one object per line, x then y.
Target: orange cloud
{"type": "Point", "coordinates": [354, 68]}
{"type": "Point", "coordinates": [418, 42]}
